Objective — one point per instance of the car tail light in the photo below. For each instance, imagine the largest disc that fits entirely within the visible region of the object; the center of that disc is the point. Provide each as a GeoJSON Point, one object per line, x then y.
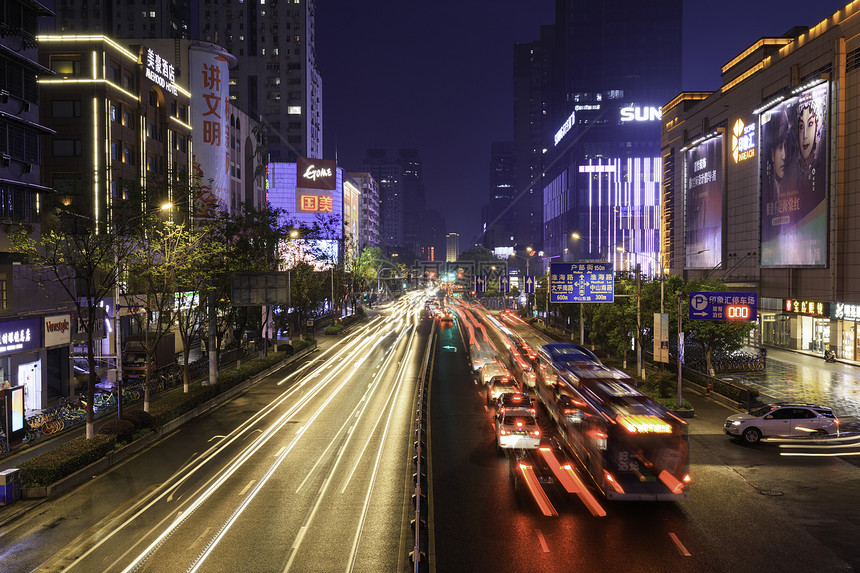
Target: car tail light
{"type": "Point", "coordinates": [611, 481]}
{"type": "Point", "coordinates": [687, 478]}
{"type": "Point", "coordinates": [536, 433]}
{"type": "Point", "coordinates": [503, 432]}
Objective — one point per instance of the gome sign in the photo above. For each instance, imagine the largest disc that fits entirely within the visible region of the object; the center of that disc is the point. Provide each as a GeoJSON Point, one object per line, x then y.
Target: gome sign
{"type": "Point", "coordinates": [636, 113]}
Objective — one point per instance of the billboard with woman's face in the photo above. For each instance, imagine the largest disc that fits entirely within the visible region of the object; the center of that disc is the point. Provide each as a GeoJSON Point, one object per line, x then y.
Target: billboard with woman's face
{"type": "Point", "coordinates": [794, 181]}
{"type": "Point", "coordinates": [704, 208]}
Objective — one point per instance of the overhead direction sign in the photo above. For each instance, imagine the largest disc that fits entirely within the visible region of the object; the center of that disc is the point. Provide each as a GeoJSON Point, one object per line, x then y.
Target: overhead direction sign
{"type": "Point", "coordinates": [504, 284]}
{"type": "Point", "coordinates": [530, 285]}
{"type": "Point", "coordinates": [727, 306]}
{"type": "Point", "coordinates": [581, 282]}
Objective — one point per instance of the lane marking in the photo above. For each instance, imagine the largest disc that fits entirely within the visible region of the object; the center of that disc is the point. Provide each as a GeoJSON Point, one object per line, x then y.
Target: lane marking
{"type": "Point", "coordinates": [201, 537]}
{"type": "Point", "coordinates": [247, 487]}
{"type": "Point", "coordinates": [543, 544]}
{"type": "Point", "coordinates": [281, 451]}
{"type": "Point", "coordinates": [678, 545]}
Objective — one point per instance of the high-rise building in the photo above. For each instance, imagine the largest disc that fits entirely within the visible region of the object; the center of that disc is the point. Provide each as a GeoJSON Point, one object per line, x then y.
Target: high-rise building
{"type": "Point", "coordinates": [276, 81]}
{"type": "Point", "coordinates": [368, 234]}
{"type": "Point", "coordinates": [389, 174]}
{"type": "Point", "coordinates": [153, 19]}
{"type": "Point", "coordinates": [532, 117]}
{"type": "Point", "coordinates": [603, 169]}
{"type": "Point", "coordinates": [499, 225]}
{"type": "Point", "coordinates": [452, 244]}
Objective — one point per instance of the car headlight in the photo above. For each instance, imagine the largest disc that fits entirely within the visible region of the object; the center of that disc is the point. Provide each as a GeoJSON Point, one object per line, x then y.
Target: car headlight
{"type": "Point", "coordinates": [736, 423]}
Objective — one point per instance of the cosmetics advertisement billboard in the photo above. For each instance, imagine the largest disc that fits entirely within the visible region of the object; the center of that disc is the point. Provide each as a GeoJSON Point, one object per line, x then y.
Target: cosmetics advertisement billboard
{"type": "Point", "coordinates": [704, 208]}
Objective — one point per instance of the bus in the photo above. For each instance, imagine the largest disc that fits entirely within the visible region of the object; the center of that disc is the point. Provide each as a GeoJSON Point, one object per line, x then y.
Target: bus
{"type": "Point", "coordinates": [630, 446]}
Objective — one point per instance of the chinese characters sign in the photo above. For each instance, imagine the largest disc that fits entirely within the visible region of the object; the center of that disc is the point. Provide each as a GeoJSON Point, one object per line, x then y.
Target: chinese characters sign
{"type": "Point", "coordinates": [581, 282]}
{"type": "Point", "coordinates": [160, 71]}
{"type": "Point", "coordinates": [19, 335]}
{"type": "Point", "coordinates": [311, 203]}
{"type": "Point", "coordinates": [210, 84]}
{"type": "Point", "coordinates": [808, 307]}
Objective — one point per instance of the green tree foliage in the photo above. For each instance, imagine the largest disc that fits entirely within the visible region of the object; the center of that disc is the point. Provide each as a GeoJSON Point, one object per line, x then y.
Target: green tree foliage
{"type": "Point", "coordinates": [83, 262]}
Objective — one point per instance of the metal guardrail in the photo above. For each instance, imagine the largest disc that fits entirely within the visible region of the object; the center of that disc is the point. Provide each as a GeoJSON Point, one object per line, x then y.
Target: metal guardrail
{"type": "Point", "coordinates": [417, 556]}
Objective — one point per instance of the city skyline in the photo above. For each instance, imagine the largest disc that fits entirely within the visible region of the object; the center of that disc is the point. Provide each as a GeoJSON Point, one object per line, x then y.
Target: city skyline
{"type": "Point", "coordinates": [456, 159]}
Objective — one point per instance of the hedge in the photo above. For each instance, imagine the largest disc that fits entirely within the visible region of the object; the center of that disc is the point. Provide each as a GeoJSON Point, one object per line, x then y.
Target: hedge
{"type": "Point", "coordinates": [65, 460]}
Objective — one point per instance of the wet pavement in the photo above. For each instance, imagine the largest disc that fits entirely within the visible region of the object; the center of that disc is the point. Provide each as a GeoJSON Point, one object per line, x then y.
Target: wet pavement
{"type": "Point", "coordinates": [797, 377]}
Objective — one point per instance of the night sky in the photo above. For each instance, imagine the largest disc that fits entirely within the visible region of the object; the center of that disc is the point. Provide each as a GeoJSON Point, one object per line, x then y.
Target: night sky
{"type": "Point", "coordinates": [437, 76]}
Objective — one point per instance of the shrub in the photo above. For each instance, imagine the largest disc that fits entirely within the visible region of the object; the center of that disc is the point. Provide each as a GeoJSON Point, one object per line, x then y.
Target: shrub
{"type": "Point", "coordinates": [139, 418]}
{"type": "Point", "coordinates": [122, 429]}
{"type": "Point", "coordinates": [334, 328]}
{"type": "Point", "coordinates": [65, 459]}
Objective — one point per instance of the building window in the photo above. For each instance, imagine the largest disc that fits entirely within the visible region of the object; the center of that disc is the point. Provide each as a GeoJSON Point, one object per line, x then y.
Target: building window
{"type": "Point", "coordinates": [128, 83]}
{"type": "Point", "coordinates": [66, 147]}
{"type": "Point", "coordinates": [114, 151]}
{"type": "Point", "coordinates": [126, 119]}
{"type": "Point", "coordinates": [294, 110]}
{"type": "Point", "coordinates": [3, 294]}
{"type": "Point", "coordinates": [151, 163]}
{"type": "Point", "coordinates": [127, 155]}
{"type": "Point", "coordinates": [150, 131]}
{"type": "Point", "coordinates": [114, 112]}
{"type": "Point", "coordinates": [66, 67]}
{"type": "Point", "coordinates": [66, 108]}
{"type": "Point", "coordinates": [115, 75]}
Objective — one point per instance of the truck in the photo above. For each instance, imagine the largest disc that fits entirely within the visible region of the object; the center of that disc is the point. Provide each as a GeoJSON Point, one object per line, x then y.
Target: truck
{"type": "Point", "coordinates": [134, 355]}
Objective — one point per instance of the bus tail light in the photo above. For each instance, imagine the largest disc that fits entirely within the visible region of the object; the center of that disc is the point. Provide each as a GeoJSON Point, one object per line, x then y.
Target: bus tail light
{"type": "Point", "coordinates": [611, 481]}
{"type": "Point", "coordinates": [674, 484]}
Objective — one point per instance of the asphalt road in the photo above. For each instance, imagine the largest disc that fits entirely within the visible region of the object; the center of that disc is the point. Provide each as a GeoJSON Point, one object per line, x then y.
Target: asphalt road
{"type": "Point", "coordinates": [304, 472]}
{"type": "Point", "coordinates": [751, 508]}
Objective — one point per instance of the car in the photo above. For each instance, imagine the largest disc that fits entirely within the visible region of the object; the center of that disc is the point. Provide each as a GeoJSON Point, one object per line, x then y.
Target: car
{"type": "Point", "coordinates": [516, 429]}
{"type": "Point", "coordinates": [782, 420]}
{"type": "Point", "coordinates": [479, 357]}
{"type": "Point", "coordinates": [445, 315]}
{"type": "Point", "coordinates": [525, 350]}
{"type": "Point", "coordinates": [509, 401]}
{"type": "Point", "coordinates": [490, 369]}
{"type": "Point", "coordinates": [499, 385]}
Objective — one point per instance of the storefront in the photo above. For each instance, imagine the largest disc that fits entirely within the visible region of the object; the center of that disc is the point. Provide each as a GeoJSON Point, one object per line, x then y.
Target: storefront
{"type": "Point", "coordinates": [845, 323]}
{"type": "Point", "coordinates": [810, 324]}
{"type": "Point", "coordinates": [21, 360]}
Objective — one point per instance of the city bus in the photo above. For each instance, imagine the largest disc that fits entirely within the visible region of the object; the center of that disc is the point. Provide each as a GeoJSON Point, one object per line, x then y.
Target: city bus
{"type": "Point", "coordinates": [631, 446]}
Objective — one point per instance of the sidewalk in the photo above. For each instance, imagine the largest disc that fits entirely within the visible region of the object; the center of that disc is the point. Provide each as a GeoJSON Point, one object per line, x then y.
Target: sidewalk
{"type": "Point", "coordinates": [798, 377]}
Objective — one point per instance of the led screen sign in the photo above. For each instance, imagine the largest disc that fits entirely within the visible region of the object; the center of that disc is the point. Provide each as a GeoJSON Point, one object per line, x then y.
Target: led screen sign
{"type": "Point", "coordinates": [316, 174]}
{"type": "Point", "coordinates": [794, 180]}
{"type": "Point", "coordinates": [704, 210]}
{"type": "Point", "coordinates": [18, 335]}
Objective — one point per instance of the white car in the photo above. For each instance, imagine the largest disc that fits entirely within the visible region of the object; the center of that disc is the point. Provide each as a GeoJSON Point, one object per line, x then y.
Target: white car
{"type": "Point", "coordinates": [782, 420]}
{"type": "Point", "coordinates": [516, 429]}
{"type": "Point", "coordinates": [491, 369]}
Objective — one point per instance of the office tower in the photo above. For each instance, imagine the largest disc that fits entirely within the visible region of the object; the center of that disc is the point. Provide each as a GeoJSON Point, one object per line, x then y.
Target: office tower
{"type": "Point", "coordinates": [452, 251]}
{"type": "Point", "coordinates": [368, 235]}
{"type": "Point", "coordinates": [500, 222]}
{"type": "Point", "coordinates": [532, 69]}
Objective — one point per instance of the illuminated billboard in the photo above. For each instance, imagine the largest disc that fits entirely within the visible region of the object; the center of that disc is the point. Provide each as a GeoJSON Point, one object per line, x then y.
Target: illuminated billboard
{"type": "Point", "coordinates": [794, 179]}
{"type": "Point", "coordinates": [704, 211]}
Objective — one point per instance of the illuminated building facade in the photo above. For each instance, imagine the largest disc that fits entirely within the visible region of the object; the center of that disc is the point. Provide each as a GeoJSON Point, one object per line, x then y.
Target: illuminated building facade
{"type": "Point", "coordinates": [761, 187]}
{"type": "Point", "coordinates": [499, 216]}
{"type": "Point", "coordinates": [368, 233]}
{"type": "Point", "coordinates": [604, 172]}
{"type": "Point", "coordinates": [452, 251]}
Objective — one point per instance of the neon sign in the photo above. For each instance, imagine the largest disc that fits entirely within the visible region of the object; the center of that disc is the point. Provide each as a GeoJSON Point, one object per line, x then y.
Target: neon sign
{"type": "Point", "coordinates": [160, 71]}
{"type": "Point", "coordinates": [565, 127]}
{"type": "Point", "coordinates": [807, 307]}
{"type": "Point", "coordinates": [316, 204]}
{"type": "Point", "coordinates": [635, 113]}
{"type": "Point", "coordinates": [743, 141]}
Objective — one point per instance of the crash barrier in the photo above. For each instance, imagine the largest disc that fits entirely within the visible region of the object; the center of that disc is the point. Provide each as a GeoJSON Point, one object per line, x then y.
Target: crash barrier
{"type": "Point", "coordinates": [419, 524]}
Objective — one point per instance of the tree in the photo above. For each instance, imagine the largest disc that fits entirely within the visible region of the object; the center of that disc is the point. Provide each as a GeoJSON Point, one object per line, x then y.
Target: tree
{"type": "Point", "coordinates": [167, 253]}
{"type": "Point", "coordinates": [83, 261]}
